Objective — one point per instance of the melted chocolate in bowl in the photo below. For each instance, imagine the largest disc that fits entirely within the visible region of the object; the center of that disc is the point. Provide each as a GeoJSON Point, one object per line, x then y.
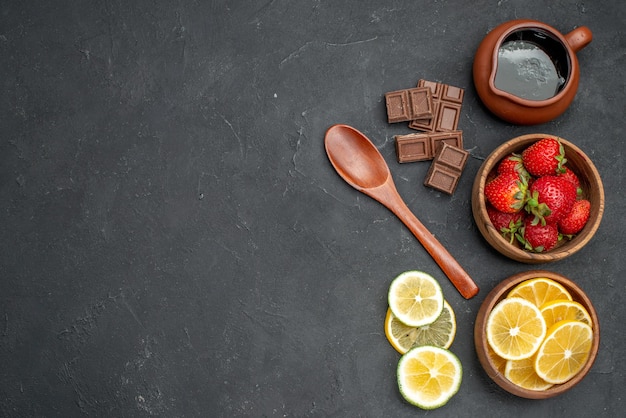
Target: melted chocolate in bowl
{"type": "Point", "coordinates": [532, 65]}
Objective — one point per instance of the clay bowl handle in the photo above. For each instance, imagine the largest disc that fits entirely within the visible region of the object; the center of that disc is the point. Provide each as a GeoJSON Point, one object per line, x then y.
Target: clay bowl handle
{"type": "Point", "coordinates": [579, 38]}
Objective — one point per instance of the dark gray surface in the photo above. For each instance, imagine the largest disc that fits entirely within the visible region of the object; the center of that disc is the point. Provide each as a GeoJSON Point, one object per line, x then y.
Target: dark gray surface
{"type": "Point", "coordinates": [175, 243]}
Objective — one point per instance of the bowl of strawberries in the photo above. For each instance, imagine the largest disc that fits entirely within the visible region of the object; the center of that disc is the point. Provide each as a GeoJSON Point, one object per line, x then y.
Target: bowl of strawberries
{"type": "Point", "coordinates": [537, 198]}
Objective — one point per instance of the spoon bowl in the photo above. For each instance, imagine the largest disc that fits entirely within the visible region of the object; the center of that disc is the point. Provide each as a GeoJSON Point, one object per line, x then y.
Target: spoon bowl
{"type": "Point", "coordinates": [357, 160]}
{"type": "Point", "coordinates": [361, 170]}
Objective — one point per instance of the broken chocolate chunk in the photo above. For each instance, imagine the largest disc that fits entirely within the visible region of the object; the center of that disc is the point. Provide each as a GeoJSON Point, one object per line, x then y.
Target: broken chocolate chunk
{"type": "Point", "coordinates": [422, 146]}
{"type": "Point", "coordinates": [446, 168]}
{"type": "Point", "coordinates": [409, 104]}
{"type": "Point", "coordinates": [447, 101]}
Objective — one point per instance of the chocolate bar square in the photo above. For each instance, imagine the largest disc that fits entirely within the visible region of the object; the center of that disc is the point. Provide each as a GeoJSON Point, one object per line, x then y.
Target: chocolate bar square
{"type": "Point", "coordinates": [446, 169]}
{"type": "Point", "coordinates": [409, 104]}
{"type": "Point", "coordinates": [413, 147]}
{"type": "Point", "coordinates": [452, 94]}
{"type": "Point", "coordinates": [448, 116]}
{"type": "Point", "coordinates": [435, 87]}
{"type": "Point", "coordinates": [454, 138]}
{"type": "Point", "coordinates": [397, 106]}
{"type": "Point", "coordinates": [421, 103]}
{"type": "Point", "coordinates": [451, 156]}
{"type": "Point", "coordinates": [442, 179]}
{"type": "Point", "coordinates": [428, 124]}
{"type": "Point", "coordinates": [447, 101]}
{"type": "Point", "coordinates": [422, 146]}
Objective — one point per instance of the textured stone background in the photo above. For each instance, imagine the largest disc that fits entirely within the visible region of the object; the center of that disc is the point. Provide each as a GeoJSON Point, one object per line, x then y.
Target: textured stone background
{"type": "Point", "coordinates": [174, 241]}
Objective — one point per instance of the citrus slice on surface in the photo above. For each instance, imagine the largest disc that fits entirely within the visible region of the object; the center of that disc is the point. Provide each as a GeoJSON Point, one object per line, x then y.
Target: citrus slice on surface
{"type": "Point", "coordinates": [523, 374]}
{"type": "Point", "coordinates": [540, 291]}
{"type": "Point", "coordinates": [559, 310]}
{"type": "Point", "coordinates": [429, 376]}
{"type": "Point", "coordinates": [440, 333]}
{"type": "Point", "coordinates": [515, 328]}
{"type": "Point", "coordinates": [564, 351]}
{"type": "Point", "coordinates": [415, 298]}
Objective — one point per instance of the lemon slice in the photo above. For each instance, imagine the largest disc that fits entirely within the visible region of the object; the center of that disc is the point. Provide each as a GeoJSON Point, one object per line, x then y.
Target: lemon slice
{"type": "Point", "coordinates": [498, 362]}
{"type": "Point", "coordinates": [429, 376]}
{"type": "Point", "coordinates": [540, 291]}
{"type": "Point", "coordinates": [439, 334]}
{"type": "Point", "coordinates": [515, 328]}
{"type": "Point", "coordinates": [564, 352]}
{"type": "Point", "coordinates": [415, 298]}
{"type": "Point", "coordinates": [523, 374]}
{"type": "Point", "coordinates": [559, 310]}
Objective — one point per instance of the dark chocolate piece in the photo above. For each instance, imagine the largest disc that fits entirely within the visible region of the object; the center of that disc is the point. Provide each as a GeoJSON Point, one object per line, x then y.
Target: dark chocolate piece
{"type": "Point", "coordinates": [445, 171]}
{"type": "Point", "coordinates": [421, 103]}
{"type": "Point", "coordinates": [454, 138]}
{"type": "Point", "coordinates": [413, 147]}
{"type": "Point", "coordinates": [452, 94]}
{"type": "Point", "coordinates": [422, 146]}
{"type": "Point", "coordinates": [442, 179]}
{"type": "Point", "coordinates": [435, 88]}
{"type": "Point", "coordinates": [448, 116]}
{"type": "Point", "coordinates": [447, 101]}
{"type": "Point", "coordinates": [409, 104]}
{"type": "Point", "coordinates": [451, 156]}
{"type": "Point", "coordinates": [426, 124]}
{"type": "Point", "coordinates": [397, 106]}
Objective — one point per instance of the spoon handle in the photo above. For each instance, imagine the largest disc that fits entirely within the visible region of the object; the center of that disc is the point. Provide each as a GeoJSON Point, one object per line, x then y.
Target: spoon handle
{"type": "Point", "coordinates": [448, 264]}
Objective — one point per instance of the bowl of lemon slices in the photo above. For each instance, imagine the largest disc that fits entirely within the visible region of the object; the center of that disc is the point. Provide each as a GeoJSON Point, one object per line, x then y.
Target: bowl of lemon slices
{"type": "Point", "coordinates": [537, 334]}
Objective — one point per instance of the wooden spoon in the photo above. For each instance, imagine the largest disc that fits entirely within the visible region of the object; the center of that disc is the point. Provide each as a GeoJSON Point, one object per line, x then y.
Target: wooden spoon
{"type": "Point", "coordinates": [361, 165]}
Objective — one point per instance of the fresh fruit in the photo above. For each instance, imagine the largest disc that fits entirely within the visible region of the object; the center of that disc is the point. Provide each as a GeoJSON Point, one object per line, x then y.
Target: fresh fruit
{"type": "Point", "coordinates": [539, 291]}
{"type": "Point", "coordinates": [498, 362]}
{"type": "Point", "coordinates": [564, 351]}
{"type": "Point", "coordinates": [538, 180]}
{"type": "Point", "coordinates": [522, 373]}
{"type": "Point", "coordinates": [576, 219]}
{"type": "Point", "coordinates": [515, 328]}
{"type": "Point", "coordinates": [507, 191]}
{"type": "Point", "coordinates": [415, 298]}
{"type": "Point", "coordinates": [429, 376]}
{"type": "Point", "coordinates": [439, 334]}
{"type": "Point", "coordinates": [512, 163]}
{"type": "Point", "coordinates": [537, 237]}
{"type": "Point", "coordinates": [560, 310]}
{"type": "Point", "coordinates": [544, 157]}
{"type": "Point", "coordinates": [550, 198]}
{"type": "Point", "coordinates": [573, 178]}
{"type": "Point", "coordinates": [561, 352]}
{"type": "Point", "coordinates": [505, 223]}
{"type": "Point", "coordinates": [421, 325]}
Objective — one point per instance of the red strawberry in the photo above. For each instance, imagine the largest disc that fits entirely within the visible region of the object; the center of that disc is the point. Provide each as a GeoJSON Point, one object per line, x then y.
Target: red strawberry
{"type": "Point", "coordinates": [512, 162]}
{"type": "Point", "coordinates": [571, 176]}
{"type": "Point", "coordinates": [544, 157]}
{"type": "Point", "coordinates": [550, 198]}
{"type": "Point", "coordinates": [576, 219]}
{"type": "Point", "coordinates": [506, 192]}
{"type": "Point", "coordinates": [505, 223]}
{"type": "Point", "coordinates": [538, 237]}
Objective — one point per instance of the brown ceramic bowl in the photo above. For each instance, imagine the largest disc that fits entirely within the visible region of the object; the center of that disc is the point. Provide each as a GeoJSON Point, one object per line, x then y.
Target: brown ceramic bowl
{"type": "Point", "coordinates": [590, 183]}
{"type": "Point", "coordinates": [482, 346]}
